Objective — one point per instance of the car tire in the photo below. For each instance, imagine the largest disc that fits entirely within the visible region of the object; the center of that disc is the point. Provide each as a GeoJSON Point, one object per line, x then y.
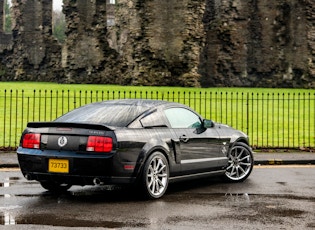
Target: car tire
{"type": "Point", "coordinates": [240, 163]}
{"type": "Point", "coordinates": [55, 187]}
{"type": "Point", "coordinates": [155, 176]}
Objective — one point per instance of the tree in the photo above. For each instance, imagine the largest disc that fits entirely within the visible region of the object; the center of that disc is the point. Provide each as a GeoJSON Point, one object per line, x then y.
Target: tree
{"type": "Point", "coordinates": [59, 26]}
{"type": "Point", "coordinates": [8, 18]}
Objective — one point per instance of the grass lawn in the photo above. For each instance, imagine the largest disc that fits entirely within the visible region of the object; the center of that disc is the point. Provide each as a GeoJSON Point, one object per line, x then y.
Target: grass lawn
{"type": "Point", "coordinates": [31, 86]}
{"type": "Point", "coordinates": [271, 117]}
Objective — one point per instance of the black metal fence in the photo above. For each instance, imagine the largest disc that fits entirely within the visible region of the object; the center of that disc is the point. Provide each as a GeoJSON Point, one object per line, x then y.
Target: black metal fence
{"type": "Point", "coordinates": [272, 120]}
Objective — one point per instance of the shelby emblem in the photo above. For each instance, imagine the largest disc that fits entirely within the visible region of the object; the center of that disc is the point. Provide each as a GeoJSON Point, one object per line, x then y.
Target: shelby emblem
{"type": "Point", "coordinates": [62, 141]}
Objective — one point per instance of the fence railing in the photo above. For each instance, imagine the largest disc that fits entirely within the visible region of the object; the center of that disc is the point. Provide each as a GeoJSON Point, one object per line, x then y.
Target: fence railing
{"type": "Point", "coordinates": [272, 120]}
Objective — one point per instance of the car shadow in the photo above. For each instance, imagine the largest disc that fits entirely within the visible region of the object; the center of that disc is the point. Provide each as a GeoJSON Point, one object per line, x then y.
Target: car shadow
{"type": "Point", "coordinates": [97, 194]}
{"type": "Point", "coordinates": [186, 186]}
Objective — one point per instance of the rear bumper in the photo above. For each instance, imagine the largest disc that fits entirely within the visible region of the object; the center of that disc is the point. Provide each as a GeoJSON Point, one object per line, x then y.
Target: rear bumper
{"type": "Point", "coordinates": [79, 180]}
{"type": "Point", "coordinates": [83, 168]}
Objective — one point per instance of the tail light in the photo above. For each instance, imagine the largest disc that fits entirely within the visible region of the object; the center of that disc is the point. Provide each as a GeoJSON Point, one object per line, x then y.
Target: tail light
{"type": "Point", "coordinates": [31, 141]}
{"type": "Point", "coordinates": [99, 144]}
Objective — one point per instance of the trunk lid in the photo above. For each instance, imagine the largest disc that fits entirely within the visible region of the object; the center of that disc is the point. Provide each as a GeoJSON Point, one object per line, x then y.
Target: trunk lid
{"type": "Point", "coordinates": [67, 136]}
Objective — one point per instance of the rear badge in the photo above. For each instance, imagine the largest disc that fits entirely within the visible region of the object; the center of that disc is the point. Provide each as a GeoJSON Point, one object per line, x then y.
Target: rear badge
{"type": "Point", "coordinates": [62, 141]}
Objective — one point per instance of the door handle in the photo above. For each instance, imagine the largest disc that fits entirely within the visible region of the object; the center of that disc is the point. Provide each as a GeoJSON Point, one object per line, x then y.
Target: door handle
{"type": "Point", "coordinates": [184, 138]}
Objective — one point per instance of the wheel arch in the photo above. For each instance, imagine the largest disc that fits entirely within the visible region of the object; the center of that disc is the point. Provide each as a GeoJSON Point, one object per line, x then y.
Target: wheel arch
{"type": "Point", "coordinates": [239, 140]}
{"type": "Point", "coordinates": [148, 150]}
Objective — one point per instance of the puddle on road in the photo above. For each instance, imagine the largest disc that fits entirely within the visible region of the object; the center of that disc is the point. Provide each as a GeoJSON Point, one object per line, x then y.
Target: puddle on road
{"type": "Point", "coordinates": [282, 183]}
{"type": "Point", "coordinates": [281, 212]}
{"type": "Point", "coordinates": [267, 210]}
{"type": "Point", "coordinates": [9, 181]}
{"type": "Point", "coordinates": [96, 195]}
{"type": "Point", "coordinates": [53, 220]}
{"type": "Point", "coordinates": [243, 198]}
{"type": "Point", "coordinates": [5, 184]}
{"type": "Point", "coordinates": [7, 219]}
{"type": "Point", "coordinates": [9, 216]}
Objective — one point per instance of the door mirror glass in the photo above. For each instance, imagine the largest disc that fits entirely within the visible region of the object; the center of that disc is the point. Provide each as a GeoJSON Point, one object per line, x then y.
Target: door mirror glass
{"type": "Point", "coordinates": [208, 124]}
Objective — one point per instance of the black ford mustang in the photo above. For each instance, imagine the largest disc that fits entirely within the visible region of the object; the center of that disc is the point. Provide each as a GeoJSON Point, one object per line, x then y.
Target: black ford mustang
{"type": "Point", "coordinates": [148, 142]}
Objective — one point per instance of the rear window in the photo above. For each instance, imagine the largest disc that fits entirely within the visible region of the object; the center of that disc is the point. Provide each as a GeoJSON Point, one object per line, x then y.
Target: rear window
{"type": "Point", "coordinates": [119, 115]}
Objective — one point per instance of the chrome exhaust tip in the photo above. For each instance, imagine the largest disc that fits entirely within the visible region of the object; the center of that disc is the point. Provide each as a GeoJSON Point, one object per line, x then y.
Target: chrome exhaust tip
{"type": "Point", "coordinates": [28, 176]}
{"type": "Point", "coordinates": [97, 181]}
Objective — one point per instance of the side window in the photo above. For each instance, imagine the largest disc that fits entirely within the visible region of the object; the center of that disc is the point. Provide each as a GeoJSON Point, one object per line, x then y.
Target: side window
{"type": "Point", "coordinates": [182, 118]}
{"type": "Point", "coordinates": [153, 120]}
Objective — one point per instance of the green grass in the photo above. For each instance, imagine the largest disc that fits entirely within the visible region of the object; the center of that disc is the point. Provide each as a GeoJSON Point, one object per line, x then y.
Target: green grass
{"type": "Point", "coordinates": [30, 86]}
{"type": "Point", "coordinates": [271, 117]}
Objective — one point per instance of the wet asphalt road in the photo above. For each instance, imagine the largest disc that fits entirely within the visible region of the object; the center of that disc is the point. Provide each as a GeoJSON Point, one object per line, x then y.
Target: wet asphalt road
{"type": "Point", "coordinates": [273, 197]}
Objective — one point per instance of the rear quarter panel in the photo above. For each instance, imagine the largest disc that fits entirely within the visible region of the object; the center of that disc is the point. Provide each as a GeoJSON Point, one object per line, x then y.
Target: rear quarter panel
{"type": "Point", "coordinates": [135, 145]}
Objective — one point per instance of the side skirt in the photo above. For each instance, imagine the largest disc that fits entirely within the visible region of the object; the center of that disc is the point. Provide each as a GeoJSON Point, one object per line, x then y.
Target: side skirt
{"type": "Point", "coordinates": [196, 176]}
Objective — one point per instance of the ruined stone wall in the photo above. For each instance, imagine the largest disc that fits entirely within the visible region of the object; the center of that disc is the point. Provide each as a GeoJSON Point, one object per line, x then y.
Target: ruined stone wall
{"type": "Point", "coordinates": [6, 41]}
{"type": "Point", "coordinates": [310, 39]}
{"type": "Point", "coordinates": [152, 42]}
{"type": "Point", "coordinates": [259, 43]}
{"type": "Point", "coordinates": [255, 43]}
{"type": "Point", "coordinates": [35, 54]}
{"type": "Point", "coordinates": [87, 56]}
{"type": "Point", "coordinates": [160, 41]}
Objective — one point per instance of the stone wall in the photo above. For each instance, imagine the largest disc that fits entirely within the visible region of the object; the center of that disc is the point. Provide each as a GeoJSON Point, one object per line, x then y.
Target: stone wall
{"type": "Point", "coordinates": [160, 41]}
{"type": "Point", "coordinates": [259, 43]}
{"type": "Point", "coordinates": [6, 41]}
{"type": "Point", "coordinates": [255, 43]}
{"type": "Point", "coordinates": [85, 51]}
{"type": "Point", "coordinates": [35, 54]}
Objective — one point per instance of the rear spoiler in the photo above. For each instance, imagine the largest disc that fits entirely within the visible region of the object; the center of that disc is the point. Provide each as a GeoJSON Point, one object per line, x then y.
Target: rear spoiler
{"type": "Point", "coordinates": [68, 125]}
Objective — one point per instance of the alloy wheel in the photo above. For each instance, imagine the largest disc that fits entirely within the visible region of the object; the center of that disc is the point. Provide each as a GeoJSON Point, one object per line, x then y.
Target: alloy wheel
{"type": "Point", "coordinates": [156, 175]}
{"type": "Point", "coordinates": [240, 163]}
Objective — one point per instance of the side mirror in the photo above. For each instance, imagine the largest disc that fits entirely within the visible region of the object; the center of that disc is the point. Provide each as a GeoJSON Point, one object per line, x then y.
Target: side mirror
{"type": "Point", "coordinates": [208, 123]}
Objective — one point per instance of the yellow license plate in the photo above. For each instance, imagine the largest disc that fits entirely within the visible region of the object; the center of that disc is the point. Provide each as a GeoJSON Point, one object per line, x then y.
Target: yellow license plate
{"type": "Point", "coordinates": [58, 165]}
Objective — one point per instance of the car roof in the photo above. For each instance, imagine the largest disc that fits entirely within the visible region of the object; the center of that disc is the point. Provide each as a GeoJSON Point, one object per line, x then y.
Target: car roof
{"type": "Point", "coordinates": [145, 103]}
{"type": "Point", "coordinates": [115, 113]}
{"type": "Point", "coordinates": [137, 102]}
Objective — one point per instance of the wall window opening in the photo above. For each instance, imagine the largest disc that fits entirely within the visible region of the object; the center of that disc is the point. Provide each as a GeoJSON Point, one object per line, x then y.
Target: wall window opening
{"type": "Point", "coordinates": [7, 16]}
{"type": "Point", "coordinates": [58, 21]}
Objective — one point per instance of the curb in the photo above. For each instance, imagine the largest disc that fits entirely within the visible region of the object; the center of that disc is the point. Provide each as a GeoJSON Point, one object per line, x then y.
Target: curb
{"type": "Point", "coordinates": [284, 162]}
{"type": "Point", "coordinates": [9, 166]}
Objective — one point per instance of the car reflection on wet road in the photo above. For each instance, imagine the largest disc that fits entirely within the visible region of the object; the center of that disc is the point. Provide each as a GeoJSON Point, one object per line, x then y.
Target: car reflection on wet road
{"type": "Point", "coordinates": [273, 197]}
